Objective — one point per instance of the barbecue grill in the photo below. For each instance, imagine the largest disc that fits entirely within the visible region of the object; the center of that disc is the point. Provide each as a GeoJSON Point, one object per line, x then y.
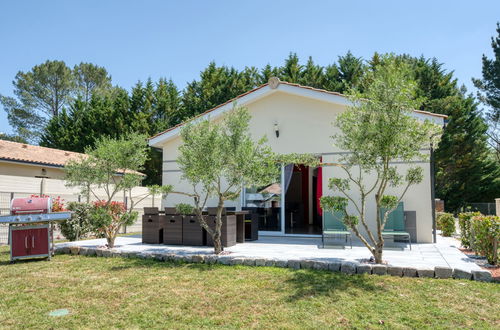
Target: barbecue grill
{"type": "Point", "coordinates": [31, 227]}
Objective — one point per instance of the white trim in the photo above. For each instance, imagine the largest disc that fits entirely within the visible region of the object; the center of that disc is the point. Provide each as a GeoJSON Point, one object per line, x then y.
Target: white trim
{"type": "Point", "coordinates": [318, 95]}
{"type": "Point", "coordinates": [314, 94]}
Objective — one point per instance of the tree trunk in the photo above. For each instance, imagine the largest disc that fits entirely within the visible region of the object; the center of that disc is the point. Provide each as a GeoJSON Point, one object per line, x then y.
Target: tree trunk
{"type": "Point", "coordinates": [111, 240]}
{"type": "Point", "coordinates": [218, 248]}
{"type": "Point", "coordinates": [217, 244]}
{"type": "Point", "coordinates": [378, 252]}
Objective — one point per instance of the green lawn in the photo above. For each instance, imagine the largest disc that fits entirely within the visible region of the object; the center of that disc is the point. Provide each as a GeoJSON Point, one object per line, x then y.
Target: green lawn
{"type": "Point", "coordinates": [132, 293]}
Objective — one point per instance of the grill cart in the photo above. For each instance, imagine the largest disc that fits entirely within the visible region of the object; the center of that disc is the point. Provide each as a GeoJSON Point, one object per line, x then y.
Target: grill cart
{"type": "Point", "coordinates": [31, 227]}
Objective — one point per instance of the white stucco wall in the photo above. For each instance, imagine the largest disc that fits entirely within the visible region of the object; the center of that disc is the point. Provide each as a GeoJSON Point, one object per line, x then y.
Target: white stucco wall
{"type": "Point", "coordinates": [305, 126]}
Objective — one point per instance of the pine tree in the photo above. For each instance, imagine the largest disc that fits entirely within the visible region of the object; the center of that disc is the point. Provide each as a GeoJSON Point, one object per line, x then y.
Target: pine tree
{"type": "Point", "coordinates": [291, 71]}
{"type": "Point", "coordinates": [490, 88]}
{"type": "Point", "coordinates": [313, 75]}
{"type": "Point", "coordinates": [344, 74]}
{"type": "Point", "coordinates": [216, 86]}
{"type": "Point", "coordinates": [464, 171]}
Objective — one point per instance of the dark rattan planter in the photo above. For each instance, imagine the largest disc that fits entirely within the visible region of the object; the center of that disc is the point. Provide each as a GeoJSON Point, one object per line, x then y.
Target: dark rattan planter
{"type": "Point", "coordinates": [192, 233]}
{"type": "Point", "coordinates": [228, 230]}
{"type": "Point", "coordinates": [172, 233]}
{"type": "Point", "coordinates": [152, 229]}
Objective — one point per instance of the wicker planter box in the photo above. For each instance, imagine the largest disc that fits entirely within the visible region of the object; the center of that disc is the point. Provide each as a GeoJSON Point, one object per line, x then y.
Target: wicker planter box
{"type": "Point", "coordinates": [151, 210]}
{"type": "Point", "coordinates": [152, 228]}
{"type": "Point", "coordinates": [171, 211]}
{"type": "Point", "coordinates": [192, 233]}
{"type": "Point", "coordinates": [228, 230]}
{"type": "Point", "coordinates": [172, 232]}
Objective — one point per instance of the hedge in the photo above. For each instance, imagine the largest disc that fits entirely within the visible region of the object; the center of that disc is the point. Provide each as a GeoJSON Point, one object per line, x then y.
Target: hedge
{"type": "Point", "coordinates": [446, 222]}
{"type": "Point", "coordinates": [464, 222]}
{"type": "Point", "coordinates": [485, 231]}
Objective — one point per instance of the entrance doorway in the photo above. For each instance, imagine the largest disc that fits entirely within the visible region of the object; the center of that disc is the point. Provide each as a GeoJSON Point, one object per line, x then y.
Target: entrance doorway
{"type": "Point", "coordinates": [301, 211]}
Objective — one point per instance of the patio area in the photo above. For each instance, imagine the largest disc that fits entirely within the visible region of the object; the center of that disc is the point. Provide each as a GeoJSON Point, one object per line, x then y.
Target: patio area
{"type": "Point", "coordinates": [444, 253]}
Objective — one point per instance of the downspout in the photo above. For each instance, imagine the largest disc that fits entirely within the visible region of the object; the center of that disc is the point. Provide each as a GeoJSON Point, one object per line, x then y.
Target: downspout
{"type": "Point", "coordinates": [433, 196]}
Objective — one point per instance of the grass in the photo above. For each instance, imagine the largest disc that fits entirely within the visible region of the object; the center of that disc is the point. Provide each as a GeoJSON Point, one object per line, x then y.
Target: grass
{"type": "Point", "coordinates": [133, 293]}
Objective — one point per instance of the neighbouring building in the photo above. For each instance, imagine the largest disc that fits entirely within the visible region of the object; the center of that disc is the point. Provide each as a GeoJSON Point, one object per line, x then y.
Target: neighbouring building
{"type": "Point", "coordinates": [28, 169]}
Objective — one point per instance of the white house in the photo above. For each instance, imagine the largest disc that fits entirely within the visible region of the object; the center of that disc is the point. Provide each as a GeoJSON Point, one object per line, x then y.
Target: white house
{"type": "Point", "coordinates": [297, 119]}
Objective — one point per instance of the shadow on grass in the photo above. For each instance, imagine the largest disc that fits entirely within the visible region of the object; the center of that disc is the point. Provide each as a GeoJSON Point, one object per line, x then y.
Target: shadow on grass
{"type": "Point", "coordinates": [306, 283]}
{"type": "Point", "coordinates": [147, 263]}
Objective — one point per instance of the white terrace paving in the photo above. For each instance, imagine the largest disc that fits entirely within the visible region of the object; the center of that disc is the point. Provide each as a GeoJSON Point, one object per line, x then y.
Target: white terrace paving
{"type": "Point", "coordinates": [444, 253]}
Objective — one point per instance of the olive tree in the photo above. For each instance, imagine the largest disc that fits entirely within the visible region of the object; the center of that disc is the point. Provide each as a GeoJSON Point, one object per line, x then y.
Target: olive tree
{"type": "Point", "coordinates": [378, 130]}
{"type": "Point", "coordinates": [218, 159]}
{"type": "Point", "coordinates": [112, 166]}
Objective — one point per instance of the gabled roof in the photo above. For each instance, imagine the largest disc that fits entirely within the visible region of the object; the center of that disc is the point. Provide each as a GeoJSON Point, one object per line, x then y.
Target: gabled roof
{"type": "Point", "coordinates": [271, 87]}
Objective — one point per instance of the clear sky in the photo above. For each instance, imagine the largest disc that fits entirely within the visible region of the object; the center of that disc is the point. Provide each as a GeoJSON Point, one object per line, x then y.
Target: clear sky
{"type": "Point", "coordinates": [137, 39]}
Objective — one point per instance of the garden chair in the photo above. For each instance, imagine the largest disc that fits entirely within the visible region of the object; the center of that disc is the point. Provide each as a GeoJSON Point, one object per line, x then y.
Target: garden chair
{"type": "Point", "coordinates": [334, 227]}
{"type": "Point", "coordinates": [395, 224]}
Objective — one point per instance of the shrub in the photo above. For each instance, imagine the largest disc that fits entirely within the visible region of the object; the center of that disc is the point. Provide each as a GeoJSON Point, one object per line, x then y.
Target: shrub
{"type": "Point", "coordinates": [446, 222]}
{"type": "Point", "coordinates": [79, 225]}
{"type": "Point", "coordinates": [464, 221]}
{"type": "Point", "coordinates": [183, 208]}
{"type": "Point", "coordinates": [107, 218]}
{"type": "Point", "coordinates": [57, 203]}
{"type": "Point", "coordinates": [486, 232]}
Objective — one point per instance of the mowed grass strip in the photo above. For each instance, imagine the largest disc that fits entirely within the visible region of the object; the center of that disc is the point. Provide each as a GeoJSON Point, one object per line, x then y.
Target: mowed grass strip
{"type": "Point", "coordinates": [134, 293]}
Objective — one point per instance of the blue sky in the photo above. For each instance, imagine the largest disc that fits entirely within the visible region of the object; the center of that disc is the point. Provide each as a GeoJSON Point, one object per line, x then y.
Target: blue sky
{"type": "Point", "coordinates": [135, 40]}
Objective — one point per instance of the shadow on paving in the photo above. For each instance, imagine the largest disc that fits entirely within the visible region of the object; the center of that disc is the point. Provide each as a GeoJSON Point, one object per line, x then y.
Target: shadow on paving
{"type": "Point", "coordinates": [307, 283]}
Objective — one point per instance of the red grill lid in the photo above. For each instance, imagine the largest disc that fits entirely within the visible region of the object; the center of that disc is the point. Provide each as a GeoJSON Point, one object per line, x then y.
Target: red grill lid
{"type": "Point", "coordinates": [31, 205]}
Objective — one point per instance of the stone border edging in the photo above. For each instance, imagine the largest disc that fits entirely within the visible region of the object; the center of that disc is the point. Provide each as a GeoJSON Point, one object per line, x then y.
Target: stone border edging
{"type": "Point", "coordinates": [346, 267]}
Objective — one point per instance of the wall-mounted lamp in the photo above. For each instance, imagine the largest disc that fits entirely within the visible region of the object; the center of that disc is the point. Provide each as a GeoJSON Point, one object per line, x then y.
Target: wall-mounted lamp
{"type": "Point", "coordinates": [276, 130]}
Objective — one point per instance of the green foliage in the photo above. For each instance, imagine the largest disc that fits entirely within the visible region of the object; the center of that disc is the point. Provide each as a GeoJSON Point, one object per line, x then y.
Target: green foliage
{"type": "Point", "coordinates": [217, 85]}
{"type": "Point", "coordinates": [347, 73]}
{"type": "Point", "coordinates": [44, 91]}
{"type": "Point", "coordinates": [150, 109]}
{"type": "Point", "coordinates": [464, 222]}
{"type": "Point", "coordinates": [79, 225]}
{"type": "Point", "coordinates": [86, 122]}
{"type": "Point", "coordinates": [184, 209]}
{"type": "Point", "coordinates": [490, 88]}
{"type": "Point", "coordinates": [41, 93]}
{"type": "Point", "coordinates": [157, 189]}
{"type": "Point", "coordinates": [339, 184]}
{"type": "Point", "coordinates": [108, 217]}
{"type": "Point", "coordinates": [90, 79]}
{"type": "Point", "coordinates": [298, 159]}
{"type": "Point", "coordinates": [108, 159]}
{"type": "Point", "coordinates": [486, 233]}
{"type": "Point", "coordinates": [13, 138]}
{"type": "Point", "coordinates": [333, 203]}
{"type": "Point", "coordinates": [446, 223]}
{"type": "Point", "coordinates": [465, 171]}
{"type": "Point", "coordinates": [389, 202]}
